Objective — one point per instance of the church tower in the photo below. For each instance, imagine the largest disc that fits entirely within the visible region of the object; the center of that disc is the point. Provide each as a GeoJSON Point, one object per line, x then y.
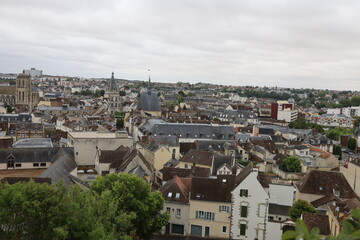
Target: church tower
{"type": "Point", "coordinates": [112, 83]}
{"type": "Point", "coordinates": [23, 91]}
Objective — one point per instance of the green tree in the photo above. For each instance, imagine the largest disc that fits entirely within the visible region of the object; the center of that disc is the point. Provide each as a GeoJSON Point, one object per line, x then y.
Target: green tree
{"type": "Point", "coordinates": [99, 93]}
{"type": "Point", "coordinates": [122, 93]}
{"type": "Point", "coordinates": [290, 164]}
{"type": "Point", "coordinates": [300, 207]}
{"type": "Point", "coordinates": [120, 123]}
{"type": "Point", "coordinates": [351, 144]}
{"type": "Point", "coordinates": [9, 109]}
{"type": "Point", "coordinates": [33, 211]}
{"type": "Point", "coordinates": [350, 230]}
{"type": "Point", "coordinates": [337, 151]}
{"type": "Point", "coordinates": [134, 197]}
{"type": "Point", "coordinates": [302, 232]}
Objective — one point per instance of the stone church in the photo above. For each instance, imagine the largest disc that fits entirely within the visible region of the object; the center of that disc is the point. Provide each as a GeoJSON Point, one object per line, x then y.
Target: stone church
{"type": "Point", "coordinates": [23, 96]}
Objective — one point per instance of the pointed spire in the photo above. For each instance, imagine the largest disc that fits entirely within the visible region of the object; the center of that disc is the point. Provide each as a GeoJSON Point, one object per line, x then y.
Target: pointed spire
{"type": "Point", "coordinates": [149, 84]}
{"type": "Point", "coordinates": [112, 75]}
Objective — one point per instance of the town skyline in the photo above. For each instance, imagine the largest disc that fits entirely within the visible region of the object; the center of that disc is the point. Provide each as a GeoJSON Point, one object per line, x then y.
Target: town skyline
{"type": "Point", "coordinates": [255, 43]}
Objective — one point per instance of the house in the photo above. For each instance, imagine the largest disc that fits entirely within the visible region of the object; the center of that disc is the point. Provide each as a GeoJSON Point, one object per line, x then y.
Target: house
{"type": "Point", "coordinates": [210, 206]}
{"type": "Point", "coordinates": [338, 211]}
{"type": "Point", "coordinates": [351, 172]}
{"type": "Point", "coordinates": [334, 120]}
{"type": "Point", "coordinates": [86, 144]}
{"type": "Point", "coordinates": [176, 194]}
{"type": "Point", "coordinates": [319, 184]}
{"type": "Point", "coordinates": [312, 220]}
{"type": "Point", "coordinates": [250, 203]}
{"type": "Point", "coordinates": [29, 130]}
{"type": "Point", "coordinates": [197, 158]}
{"type": "Point", "coordinates": [55, 163]}
{"type": "Point", "coordinates": [318, 158]}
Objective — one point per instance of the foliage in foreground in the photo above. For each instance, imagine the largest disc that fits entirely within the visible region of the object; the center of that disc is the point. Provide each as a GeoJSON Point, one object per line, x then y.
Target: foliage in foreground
{"type": "Point", "coordinates": [350, 230]}
{"type": "Point", "coordinates": [116, 207]}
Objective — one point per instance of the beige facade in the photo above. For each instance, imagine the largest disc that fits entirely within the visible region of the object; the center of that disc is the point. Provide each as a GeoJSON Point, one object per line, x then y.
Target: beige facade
{"type": "Point", "coordinates": [190, 165]}
{"type": "Point", "coordinates": [157, 158]}
{"type": "Point", "coordinates": [179, 216]}
{"type": "Point", "coordinates": [334, 224]}
{"type": "Point", "coordinates": [352, 175]}
{"type": "Point", "coordinates": [210, 219]}
{"type": "Point", "coordinates": [86, 144]}
{"type": "Point", "coordinates": [25, 97]}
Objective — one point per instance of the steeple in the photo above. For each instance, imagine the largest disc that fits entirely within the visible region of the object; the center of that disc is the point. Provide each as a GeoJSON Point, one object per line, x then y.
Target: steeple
{"type": "Point", "coordinates": [149, 83]}
{"type": "Point", "coordinates": [112, 82]}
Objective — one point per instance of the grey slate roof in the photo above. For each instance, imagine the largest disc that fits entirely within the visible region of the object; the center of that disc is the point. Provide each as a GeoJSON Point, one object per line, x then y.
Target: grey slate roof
{"type": "Point", "coordinates": [61, 167]}
{"type": "Point", "coordinates": [29, 154]}
{"type": "Point", "coordinates": [33, 143]}
{"type": "Point", "coordinates": [206, 131]}
{"type": "Point", "coordinates": [277, 209]}
{"type": "Point", "coordinates": [149, 101]}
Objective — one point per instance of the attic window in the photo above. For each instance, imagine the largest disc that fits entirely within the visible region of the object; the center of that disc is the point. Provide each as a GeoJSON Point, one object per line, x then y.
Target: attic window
{"type": "Point", "coordinates": [336, 193]}
{"type": "Point", "coordinates": [320, 188]}
{"type": "Point", "coordinates": [170, 194]}
{"type": "Point", "coordinates": [177, 195]}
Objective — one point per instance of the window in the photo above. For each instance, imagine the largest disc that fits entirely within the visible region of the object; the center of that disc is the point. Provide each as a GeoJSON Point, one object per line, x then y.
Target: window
{"type": "Point", "coordinates": [177, 229]}
{"type": "Point", "coordinates": [223, 208]}
{"type": "Point", "coordinates": [205, 215]}
{"type": "Point", "coordinates": [177, 195]}
{"type": "Point", "coordinates": [243, 192]}
{"type": "Point", "coordinates": [35, 164]}
{"type": "Point", "coordinates": [43, 164]}
{"type": "Point", "coordinates": [10, 161]}
{"type": "Point", "coordinates": [168, 210]}
{"type": "Point", "coordinates": [207, 231]}
{"type": "Point", "coordinates": [18, 165]}
{"type": "Point", "coordinates": [243, 211]}
{"type": "Point", "coordinates": [242, 229]}
{"type": "Point", "coordinates": [224, 229]}
{"type": "Point", "coordinates": [170, 194]}
{"type": "Point", "coordinates": [178, 212]}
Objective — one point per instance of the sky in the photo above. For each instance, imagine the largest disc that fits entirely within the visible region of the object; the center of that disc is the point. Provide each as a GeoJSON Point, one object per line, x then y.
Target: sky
{"type": "Point", "coordinates": [284, 43]}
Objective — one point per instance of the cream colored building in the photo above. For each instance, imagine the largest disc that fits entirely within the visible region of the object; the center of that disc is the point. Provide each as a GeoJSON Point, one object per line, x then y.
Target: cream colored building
{"type": "Point", "coordinates": [86, 144]}
{"type": "Point", "coordinates": [210, 206]}
{"type": "Point", "coordinates": [352, 174]}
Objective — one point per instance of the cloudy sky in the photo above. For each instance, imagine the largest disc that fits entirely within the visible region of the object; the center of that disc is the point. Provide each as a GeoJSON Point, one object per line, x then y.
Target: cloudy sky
{"type": "Point", "coordinates": [288, 43]}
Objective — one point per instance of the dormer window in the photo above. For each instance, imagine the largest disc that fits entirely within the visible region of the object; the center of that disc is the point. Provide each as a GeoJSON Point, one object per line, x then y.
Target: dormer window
{"type": "Point", "coordinates": [170, 194]}
{"type": "Point", "coordinates": [10, 161]}
{"type": "Point", "coordinates": [177, 195]}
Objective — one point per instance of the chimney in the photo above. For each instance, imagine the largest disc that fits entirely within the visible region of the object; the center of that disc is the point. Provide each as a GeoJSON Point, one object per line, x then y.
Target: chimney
{"type": "Point", "coordinates": [234, 170]}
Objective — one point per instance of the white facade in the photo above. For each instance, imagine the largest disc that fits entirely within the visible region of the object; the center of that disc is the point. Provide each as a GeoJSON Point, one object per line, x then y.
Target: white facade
{"type": "Point", "coordinates": [282, 194]}
{"type": "Point", "coordinates": [249, 209]}
{"type": "Point", "coordinates": [287, 115]}
{"type": "Point", "coordinates": [33, 72]}
{"type": "Point", "coordinates": [348, 111]}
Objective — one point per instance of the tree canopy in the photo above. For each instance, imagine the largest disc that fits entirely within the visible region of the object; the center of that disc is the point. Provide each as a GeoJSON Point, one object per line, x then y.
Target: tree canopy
{"type": "Point", "coordinates": [290, 164]}
{"type": "Point", "coordinates": [300, 207]}
{"type": "Point", "coordinates": [115, 207]}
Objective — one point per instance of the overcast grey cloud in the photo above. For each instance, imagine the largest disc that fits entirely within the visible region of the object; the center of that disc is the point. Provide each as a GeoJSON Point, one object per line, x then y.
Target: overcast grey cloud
{"type": "Point", "coordinates": [274, 43]}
